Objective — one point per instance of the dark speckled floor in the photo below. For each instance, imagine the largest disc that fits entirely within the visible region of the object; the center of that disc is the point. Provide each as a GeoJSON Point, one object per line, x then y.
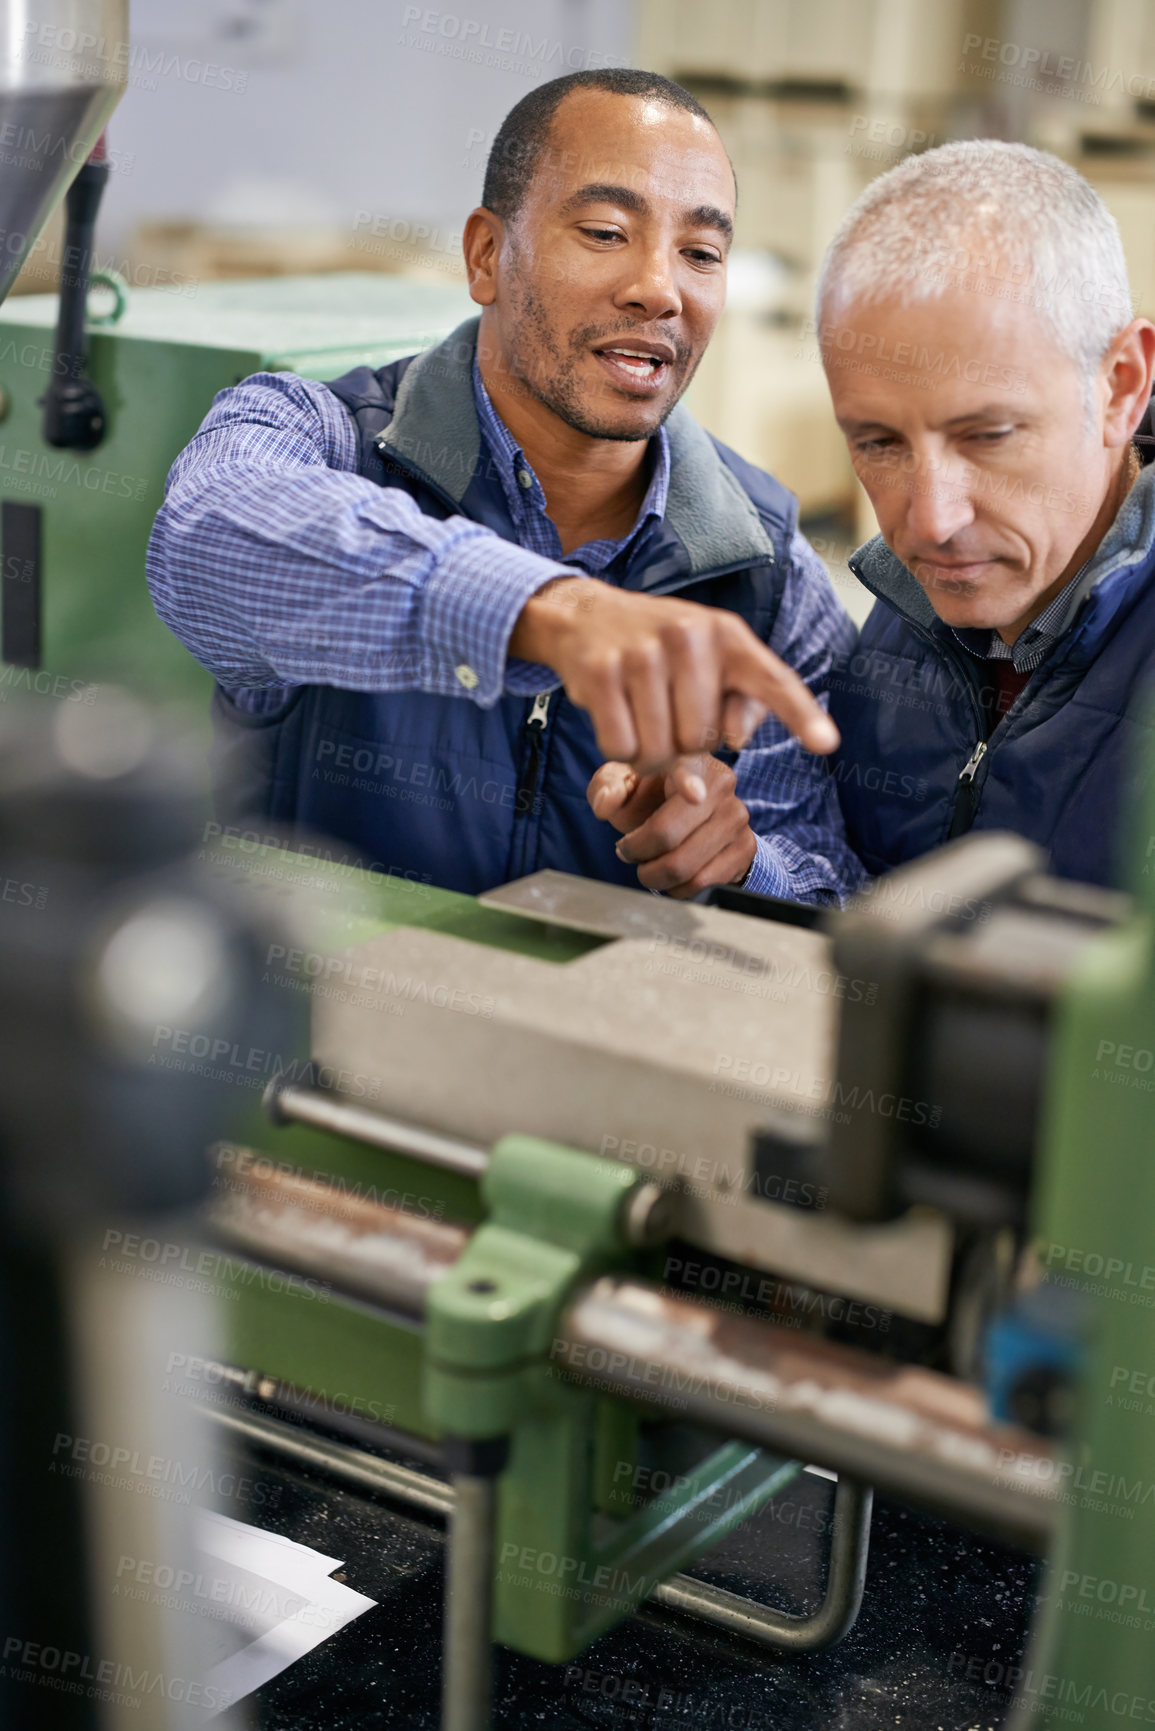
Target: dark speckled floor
{"type": "Point", "coordinates": [945, 1615]}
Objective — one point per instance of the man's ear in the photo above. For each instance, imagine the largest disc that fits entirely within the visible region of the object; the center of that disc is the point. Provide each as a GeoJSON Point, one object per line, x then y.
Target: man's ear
{"type": "Point", "coordinates": [482, 241]}
{"type": "Point", "coordinates": [1127, 371]}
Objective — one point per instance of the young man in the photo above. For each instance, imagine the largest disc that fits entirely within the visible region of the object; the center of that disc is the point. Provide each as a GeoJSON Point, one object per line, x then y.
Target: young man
{"type": "Point", "coordinates": [983, 362]}
{"type": "Point", "coordinates": [435, 597]}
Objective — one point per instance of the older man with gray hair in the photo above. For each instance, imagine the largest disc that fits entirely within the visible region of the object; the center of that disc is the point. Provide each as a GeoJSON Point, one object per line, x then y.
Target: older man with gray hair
{"type": "Point", "coordinates": [976, 328]}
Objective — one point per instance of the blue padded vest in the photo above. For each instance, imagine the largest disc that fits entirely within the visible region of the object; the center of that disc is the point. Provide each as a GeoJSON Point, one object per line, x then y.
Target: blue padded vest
{"type": "Point", "coordinates": [909, 702]}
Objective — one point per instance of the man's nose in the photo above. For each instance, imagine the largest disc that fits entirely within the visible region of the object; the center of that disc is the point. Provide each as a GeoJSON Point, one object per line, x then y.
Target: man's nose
{"type": "Point", "coordinates": [650, 287]}
{"type": "Point", "coordinates": [938, 505]}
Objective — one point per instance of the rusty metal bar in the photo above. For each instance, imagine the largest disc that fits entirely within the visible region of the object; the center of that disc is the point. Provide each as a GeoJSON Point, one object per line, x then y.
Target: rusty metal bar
{"type": "Point", "coordinates": [899, 1427]}
{"type": "Point", "coordinates": [367, 1249]}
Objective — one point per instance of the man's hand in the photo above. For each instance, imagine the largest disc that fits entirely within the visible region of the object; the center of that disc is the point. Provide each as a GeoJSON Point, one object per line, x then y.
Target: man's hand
{"type": "Point", "coordinates": [660, 677]}
{"type": "Point", "coordinates": [679, 845]}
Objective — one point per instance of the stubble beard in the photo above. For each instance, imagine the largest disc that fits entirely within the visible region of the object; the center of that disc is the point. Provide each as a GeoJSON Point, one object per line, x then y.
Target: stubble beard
{"type": "Point", "coordinates": [556, 383]}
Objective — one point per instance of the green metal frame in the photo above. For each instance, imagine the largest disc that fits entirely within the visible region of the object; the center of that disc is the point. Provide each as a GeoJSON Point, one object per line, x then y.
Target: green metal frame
{"type": "Point", "coordinates": [157, 368]}
{"type": "Point", "coordinates": [1095, 1219]}
{"type": "Point", "coordinates": [485, 1366]}
{"type": "Point", "coordinates": [564, 1573]}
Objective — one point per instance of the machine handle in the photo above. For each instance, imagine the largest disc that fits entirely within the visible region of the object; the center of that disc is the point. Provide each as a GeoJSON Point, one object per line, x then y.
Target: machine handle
{"type": "Point", "coordinates": [74, 417]}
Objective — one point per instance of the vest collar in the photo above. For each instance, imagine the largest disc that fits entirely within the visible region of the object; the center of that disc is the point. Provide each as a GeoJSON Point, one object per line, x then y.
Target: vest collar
{"type": "Point", "coordinates": [434, 426]}
{"type": "Point", "coordinates": [884, 574]}
{"type": "Point", "coordinates": [434, 430]}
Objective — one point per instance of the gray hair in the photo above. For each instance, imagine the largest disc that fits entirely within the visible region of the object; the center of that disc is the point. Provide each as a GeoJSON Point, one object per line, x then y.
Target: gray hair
{"type": "Point", "coordinates": [1010, 222]}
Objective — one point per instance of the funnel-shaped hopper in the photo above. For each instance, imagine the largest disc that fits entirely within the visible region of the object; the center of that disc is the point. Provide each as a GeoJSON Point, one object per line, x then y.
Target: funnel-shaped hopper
{"type": "Point", "coordinates": [63, 68]}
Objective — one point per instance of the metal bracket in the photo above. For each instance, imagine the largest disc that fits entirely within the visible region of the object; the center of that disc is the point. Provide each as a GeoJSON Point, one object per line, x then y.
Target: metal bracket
{"type": "Point", "coordinates": [555, 1215]}
{"type": "Point", "coordinates": [558, 1216]}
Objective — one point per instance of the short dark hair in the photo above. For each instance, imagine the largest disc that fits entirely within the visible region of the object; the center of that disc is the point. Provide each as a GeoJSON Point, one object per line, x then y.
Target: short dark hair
{"type": "Point", "coordinates": [523, 135]}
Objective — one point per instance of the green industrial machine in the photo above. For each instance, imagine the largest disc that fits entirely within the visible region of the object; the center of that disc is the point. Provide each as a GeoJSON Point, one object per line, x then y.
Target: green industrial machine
{"type": "Point", "coordinates": [485, 1193]}
{"type": "Point", "coordinates": [545, 1220]}
{"type": "Point", "coordinates": [1095, 1225]}
{"type": "Point", "coordinates": [75, 606]}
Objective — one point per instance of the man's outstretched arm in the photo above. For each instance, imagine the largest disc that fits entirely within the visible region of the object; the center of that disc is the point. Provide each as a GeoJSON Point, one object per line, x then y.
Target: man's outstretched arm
{"type": "Point", "coordinates": [276, 564]}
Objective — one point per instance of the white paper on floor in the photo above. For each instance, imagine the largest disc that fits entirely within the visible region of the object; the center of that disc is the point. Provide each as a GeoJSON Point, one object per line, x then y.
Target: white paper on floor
{"type": "Point", "coordinates": [278, 1602]}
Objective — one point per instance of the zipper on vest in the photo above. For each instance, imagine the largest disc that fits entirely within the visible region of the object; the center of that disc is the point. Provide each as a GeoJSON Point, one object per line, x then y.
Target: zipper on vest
{"type": "Point", "coordinates": [535, 723]}
{"type": "Point", "coordinates": [965, 802]}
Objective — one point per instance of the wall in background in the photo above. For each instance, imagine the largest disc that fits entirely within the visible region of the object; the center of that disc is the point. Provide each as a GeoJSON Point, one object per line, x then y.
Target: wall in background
{"type": "Point", "coordinates": [293, 112]}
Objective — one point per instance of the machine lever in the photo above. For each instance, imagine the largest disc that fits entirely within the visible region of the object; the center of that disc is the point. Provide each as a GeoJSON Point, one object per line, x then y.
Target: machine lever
{"type": "Point", "coordinates": [74, 417]}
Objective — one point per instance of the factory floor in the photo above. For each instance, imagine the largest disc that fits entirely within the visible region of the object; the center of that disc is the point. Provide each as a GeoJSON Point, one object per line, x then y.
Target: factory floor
{"type": "Point", "coordinates": [937, 1646]}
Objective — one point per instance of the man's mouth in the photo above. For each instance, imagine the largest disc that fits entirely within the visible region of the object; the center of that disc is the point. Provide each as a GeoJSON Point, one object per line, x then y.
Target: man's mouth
{"type": "Point", "coordinates": [951, 574]}
{"type": "Point", "coordinates": [640, 368]}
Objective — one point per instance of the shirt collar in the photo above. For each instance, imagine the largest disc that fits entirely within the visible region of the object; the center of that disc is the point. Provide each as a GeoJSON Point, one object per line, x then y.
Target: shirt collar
{"type": "Point", "coordinates": [521, 494]}
{"type": "Point", "coordinates": [1035, 639]}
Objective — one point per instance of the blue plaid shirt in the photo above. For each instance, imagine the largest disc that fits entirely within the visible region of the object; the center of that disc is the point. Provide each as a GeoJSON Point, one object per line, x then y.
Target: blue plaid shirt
{"type": "Point", "coordinates": [277, 564]}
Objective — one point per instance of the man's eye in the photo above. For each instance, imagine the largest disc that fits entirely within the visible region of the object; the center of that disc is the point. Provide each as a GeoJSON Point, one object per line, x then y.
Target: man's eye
{"type": "Point", "coordinates": [701, 256]}
{"type": "Point", "coordinates": [873, 447]}
{"type": "Point", "coordinates": [993, 436]}
{"type": "Point", "coordinates": [602, 233]}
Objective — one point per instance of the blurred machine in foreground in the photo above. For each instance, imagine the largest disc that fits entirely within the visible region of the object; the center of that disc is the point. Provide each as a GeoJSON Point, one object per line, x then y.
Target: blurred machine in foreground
{"type": "Point", "coordinates": [108, 927]}
{"type": "Point", "coordinates": [490, 1198]}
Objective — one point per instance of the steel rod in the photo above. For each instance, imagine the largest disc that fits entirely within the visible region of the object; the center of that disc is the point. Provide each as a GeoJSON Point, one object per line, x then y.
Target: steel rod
{"type": "Point", "coordinates": [357, 1467]}
{"type": "Point", "coordinates": [467, 1650]}
{"type": "Point", "coordinates": [835, 1617]}
{"type": "Point", "coordinates": [286, 1103]}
